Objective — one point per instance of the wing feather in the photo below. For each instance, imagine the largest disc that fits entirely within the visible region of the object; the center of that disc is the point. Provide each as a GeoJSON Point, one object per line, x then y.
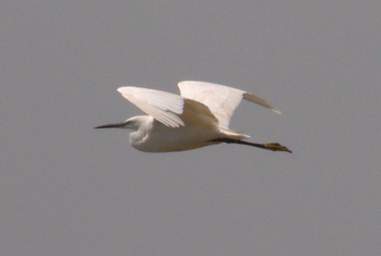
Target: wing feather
{"type": "Point", "coordinates": [163, 106]}
{"type": "Point", "coordinates": [260, 101]}
{"type": "Point", "coordinates": [220, 99]}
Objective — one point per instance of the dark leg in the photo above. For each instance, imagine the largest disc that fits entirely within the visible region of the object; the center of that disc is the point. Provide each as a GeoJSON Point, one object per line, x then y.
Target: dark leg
{"type": "Point", "coordinates": [267, 146]}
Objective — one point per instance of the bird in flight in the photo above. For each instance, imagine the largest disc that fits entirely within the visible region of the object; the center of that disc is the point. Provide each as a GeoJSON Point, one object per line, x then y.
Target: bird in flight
{"type": "Point", "coordinates": [198, 117]}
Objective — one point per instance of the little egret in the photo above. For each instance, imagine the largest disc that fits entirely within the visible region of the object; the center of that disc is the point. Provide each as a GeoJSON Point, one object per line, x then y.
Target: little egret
{"type": "Point", "coordinates": [199, 117]}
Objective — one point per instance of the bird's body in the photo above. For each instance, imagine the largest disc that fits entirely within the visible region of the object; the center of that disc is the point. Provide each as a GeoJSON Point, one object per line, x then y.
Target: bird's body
{"type": "Point", "coordinates": [198, 118]}
{"type": "Point", "coordinates": [153, 136]}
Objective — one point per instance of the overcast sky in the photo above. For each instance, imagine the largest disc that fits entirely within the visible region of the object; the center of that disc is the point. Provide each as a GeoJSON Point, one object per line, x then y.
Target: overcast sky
{"type": "Point", "coordinates": [66, 189]}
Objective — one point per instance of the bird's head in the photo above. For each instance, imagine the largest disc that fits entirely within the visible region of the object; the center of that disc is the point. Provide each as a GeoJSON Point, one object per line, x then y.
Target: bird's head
{"type": "Point", "coordinates": [132, 123]}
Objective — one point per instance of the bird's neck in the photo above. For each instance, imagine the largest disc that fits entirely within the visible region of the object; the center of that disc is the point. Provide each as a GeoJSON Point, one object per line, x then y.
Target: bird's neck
{"type": "Point", "coordinates": [140, 135]}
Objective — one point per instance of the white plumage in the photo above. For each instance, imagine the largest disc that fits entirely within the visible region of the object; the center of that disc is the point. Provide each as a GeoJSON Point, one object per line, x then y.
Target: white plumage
{"type": "Point", "coordinates": [220, 99]}
{"type": "Point", "coordinates": [200, 116]}
{"type": "Point", "coordinates": [163, 106]}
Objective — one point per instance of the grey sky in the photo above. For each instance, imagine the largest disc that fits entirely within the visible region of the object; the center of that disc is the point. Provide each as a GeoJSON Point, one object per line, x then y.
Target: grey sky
{"type": "Point", "coordinates": [66, 189]}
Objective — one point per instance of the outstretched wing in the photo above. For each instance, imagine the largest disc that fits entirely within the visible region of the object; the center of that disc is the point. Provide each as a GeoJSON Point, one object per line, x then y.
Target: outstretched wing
{"type": "Point", "coordinates": [163, 106]}
{"type": "Point", "coordinates": [220, 99]}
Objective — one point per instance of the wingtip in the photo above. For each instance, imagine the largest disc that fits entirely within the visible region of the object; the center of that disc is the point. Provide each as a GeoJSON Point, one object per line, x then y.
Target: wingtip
{"type": "Point", "coordinates": [120, 89]}
{"type": "Point", "coordinates": [277, 111]}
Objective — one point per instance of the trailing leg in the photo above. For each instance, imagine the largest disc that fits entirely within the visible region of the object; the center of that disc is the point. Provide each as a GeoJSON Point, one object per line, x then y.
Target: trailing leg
{"type": "Point", "coordinates": [267, 146]}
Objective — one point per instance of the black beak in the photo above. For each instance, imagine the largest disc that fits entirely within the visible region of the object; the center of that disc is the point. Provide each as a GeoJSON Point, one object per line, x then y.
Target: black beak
{"type": "Point", "coordinates": [116, 125]}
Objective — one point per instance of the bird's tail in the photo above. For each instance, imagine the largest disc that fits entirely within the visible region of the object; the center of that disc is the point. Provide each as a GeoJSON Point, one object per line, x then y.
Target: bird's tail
{"type": "Point", "coordinates": [230, 134]}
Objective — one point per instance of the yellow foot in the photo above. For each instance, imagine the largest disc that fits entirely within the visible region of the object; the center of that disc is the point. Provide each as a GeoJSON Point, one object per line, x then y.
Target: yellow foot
{"type": "Point", "coordinates": [276, 147]}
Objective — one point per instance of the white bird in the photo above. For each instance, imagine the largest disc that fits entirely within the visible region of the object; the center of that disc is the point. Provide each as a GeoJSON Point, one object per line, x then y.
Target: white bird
{"type": "Point", "coordinates": [199, 117]}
